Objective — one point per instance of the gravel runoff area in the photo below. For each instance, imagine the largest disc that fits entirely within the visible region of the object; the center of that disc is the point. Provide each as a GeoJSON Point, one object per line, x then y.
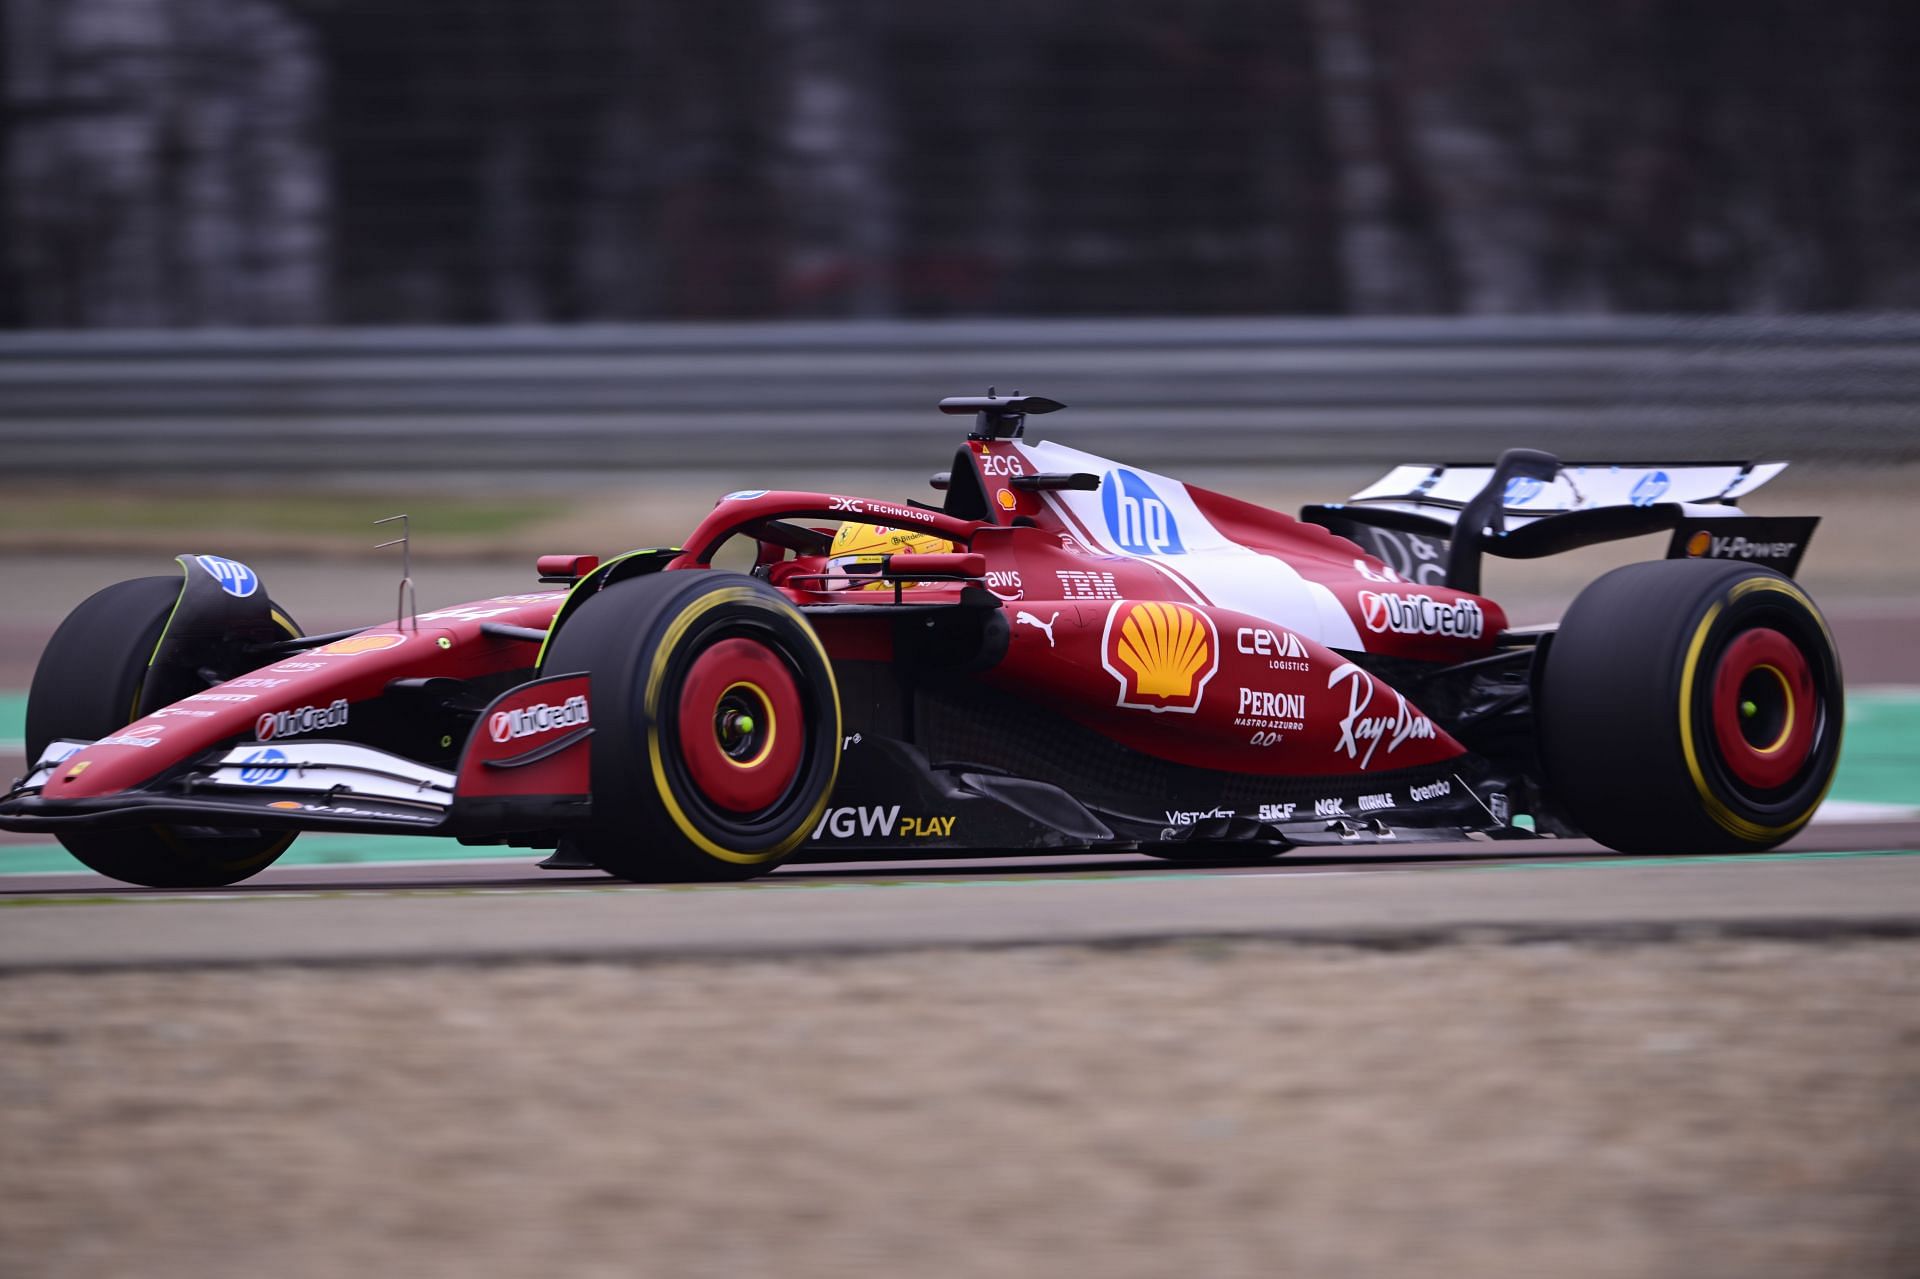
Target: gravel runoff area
{"type": "Point", "coordinates": [1700, 1108]}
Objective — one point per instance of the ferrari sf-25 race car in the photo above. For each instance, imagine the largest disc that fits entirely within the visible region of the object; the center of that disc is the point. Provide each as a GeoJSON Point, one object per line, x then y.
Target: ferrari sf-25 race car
{"type": "Point", "coordinates": [1066, 653]}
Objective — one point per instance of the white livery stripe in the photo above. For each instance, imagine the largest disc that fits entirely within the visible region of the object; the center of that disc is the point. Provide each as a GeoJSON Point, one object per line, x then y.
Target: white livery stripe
{"type": "Point", "coordinates": [1181, 542]}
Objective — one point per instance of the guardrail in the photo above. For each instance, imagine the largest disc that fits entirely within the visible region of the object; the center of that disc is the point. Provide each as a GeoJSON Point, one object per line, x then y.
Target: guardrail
{"type": "Point", "coordinates": [828, 395]}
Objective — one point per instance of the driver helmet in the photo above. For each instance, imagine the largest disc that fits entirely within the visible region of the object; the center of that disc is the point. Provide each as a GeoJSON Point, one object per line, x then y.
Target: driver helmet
{"type": "Point", "coordinates": [862, 549]}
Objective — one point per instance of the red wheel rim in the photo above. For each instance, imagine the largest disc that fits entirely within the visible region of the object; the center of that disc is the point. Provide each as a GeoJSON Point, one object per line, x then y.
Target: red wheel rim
{"type": "Point", "coordinates": [741, 725]}
{"type": "Point", "coordinates": [1764, 708]}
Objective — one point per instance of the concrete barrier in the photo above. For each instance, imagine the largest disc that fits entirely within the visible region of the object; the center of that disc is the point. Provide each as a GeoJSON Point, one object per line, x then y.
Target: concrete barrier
{"type": "Point", "coordinates": [1158, 391]}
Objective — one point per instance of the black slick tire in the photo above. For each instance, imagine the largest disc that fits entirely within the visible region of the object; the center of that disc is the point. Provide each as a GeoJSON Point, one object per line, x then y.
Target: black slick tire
{"type": "Point", "coordinates": [87, 685]}
{"type": "Point", "coordinates": [678, 662]}
{"type": "Point", "coordinates": [1690, 706]}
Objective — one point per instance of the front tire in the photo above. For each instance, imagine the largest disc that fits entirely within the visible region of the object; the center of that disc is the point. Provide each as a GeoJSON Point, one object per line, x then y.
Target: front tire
{"type": "Point", "coordinates": [716, 725]}
{"type": "Point", "coordinates": [1691, 706]}
{"type": "Point", "coordinates": [87, 685]}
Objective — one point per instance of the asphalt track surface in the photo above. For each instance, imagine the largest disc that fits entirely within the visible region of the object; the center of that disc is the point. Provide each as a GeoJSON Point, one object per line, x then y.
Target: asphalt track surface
{"type": "Point", "coordinates": [1842, 879]}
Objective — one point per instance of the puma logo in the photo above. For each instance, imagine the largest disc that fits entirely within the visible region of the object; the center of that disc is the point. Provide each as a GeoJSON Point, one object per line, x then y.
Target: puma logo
{"type": "Point", "coordinates": [1030, 620]}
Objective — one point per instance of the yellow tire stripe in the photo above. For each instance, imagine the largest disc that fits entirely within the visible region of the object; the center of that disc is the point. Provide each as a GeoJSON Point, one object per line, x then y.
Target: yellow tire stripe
{"type": "Point", "coordinates": [140, 685]}
{"type": "Point", "coordinates": [656, 678]}
{"type": "Point", "coordinates": [1792, 715]}
{"type": "Point", "coordinates": [566, 604]}
{"type": "Point", "coordinates": [1725, 817]}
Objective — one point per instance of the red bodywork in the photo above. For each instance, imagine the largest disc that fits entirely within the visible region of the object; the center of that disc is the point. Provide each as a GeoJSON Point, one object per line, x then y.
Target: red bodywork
{"type": "Point", "coordinates": [1186, 625]}
{"type": "Point", "coordinates": [1265, 694]}
{"type": "Point", "coordinates": [448, 643]}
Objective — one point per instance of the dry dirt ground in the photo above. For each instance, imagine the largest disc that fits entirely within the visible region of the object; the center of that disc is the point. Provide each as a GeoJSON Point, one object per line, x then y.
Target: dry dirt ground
{"type": "Point", "coordinates": [1701, 1109]}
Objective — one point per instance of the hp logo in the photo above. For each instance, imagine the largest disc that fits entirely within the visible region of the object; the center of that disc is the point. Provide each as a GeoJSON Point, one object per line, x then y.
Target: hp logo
{"type": "Point", "coordinates": [1522, 489]}
{"type": "Point", "coordinates": [235, 578]}
{"type": "Point", "coordinates": [1650, 489]}
{"type": "Point", "coordinates": [264, 767]}
{"type": "Point", "coordinates": [1136, 517]}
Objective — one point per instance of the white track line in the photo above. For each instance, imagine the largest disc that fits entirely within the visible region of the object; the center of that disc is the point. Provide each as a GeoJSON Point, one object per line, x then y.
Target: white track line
{"type": "Point", "coordinates": [1857, 810]}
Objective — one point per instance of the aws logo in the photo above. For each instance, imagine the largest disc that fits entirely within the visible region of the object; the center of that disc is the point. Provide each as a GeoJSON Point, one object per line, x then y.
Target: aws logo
{"type": "Point", "coordinates": [1162, 654]}
{"type": "Point", "coordinates": [1136, 517]}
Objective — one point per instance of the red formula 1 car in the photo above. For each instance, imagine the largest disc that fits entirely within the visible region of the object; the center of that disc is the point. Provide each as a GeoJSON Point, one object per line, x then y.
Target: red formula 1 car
{"type": "Point", "coordinates": [1066, 654]}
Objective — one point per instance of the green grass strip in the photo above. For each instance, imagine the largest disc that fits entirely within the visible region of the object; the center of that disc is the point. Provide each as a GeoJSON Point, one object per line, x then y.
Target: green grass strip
{"type": "Point", "coordinates": [1609, 861]}
{"type": "Point", "coordinates": [341, 515]}
{"type": "Point", "coordinates": [308, 850]}
{"type": "Point", "coordinates": [1880, 758]}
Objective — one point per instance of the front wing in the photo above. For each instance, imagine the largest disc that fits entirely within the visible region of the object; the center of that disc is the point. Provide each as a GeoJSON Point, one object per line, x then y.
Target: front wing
{"type": "Point", "coordinates": [524, 769]}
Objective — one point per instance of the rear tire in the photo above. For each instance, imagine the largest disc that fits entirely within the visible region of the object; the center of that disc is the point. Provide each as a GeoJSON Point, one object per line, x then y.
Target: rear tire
{"type": "Point", "coordinates": [87, 685]}
{"type": "Point", "coordinates": [716, 723]}
{"type": "Point", "coordinates": [1691, 706]}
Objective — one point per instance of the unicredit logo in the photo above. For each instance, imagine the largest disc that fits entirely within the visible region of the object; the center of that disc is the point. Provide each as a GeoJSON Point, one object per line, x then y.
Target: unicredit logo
{"type": "Point", "coordinates": [542, 717]}
{"type": "Point", "coordinates": [1421, 615]}
{"type": "Point", "coordinates": [308, 719]}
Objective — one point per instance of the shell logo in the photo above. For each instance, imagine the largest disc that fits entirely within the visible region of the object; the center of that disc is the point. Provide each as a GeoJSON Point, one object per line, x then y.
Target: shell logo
{"type": "Point", "coordinates": [1698, 544]}
{"type": "Point", "coordinates": [1006, 499]}
{"type": "Point", "coordinates": [1162, 654]}
{"type": "Point", "coordinates": [362, 644]}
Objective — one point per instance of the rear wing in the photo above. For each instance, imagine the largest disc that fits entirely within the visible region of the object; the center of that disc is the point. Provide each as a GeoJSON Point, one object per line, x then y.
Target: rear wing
{"type": "Point", "coordinates": [1530, 504]}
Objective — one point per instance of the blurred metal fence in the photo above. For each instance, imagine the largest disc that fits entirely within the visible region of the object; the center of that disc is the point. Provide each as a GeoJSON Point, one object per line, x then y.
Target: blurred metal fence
{"type": "Point", "coordinates": [839, 395]}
